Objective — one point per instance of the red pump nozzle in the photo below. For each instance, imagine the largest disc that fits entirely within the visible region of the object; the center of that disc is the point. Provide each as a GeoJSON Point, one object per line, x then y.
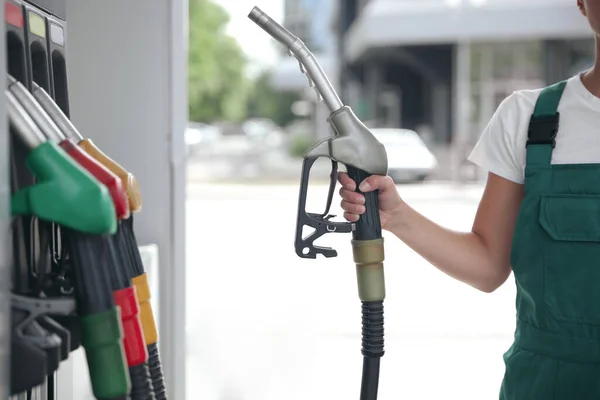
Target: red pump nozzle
{"type": "Point", "coordinates": [104, 175]}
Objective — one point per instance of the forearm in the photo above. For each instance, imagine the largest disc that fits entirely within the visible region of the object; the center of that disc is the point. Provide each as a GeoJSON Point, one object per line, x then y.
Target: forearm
{"type": "Point", "coordinates": [461, 255]}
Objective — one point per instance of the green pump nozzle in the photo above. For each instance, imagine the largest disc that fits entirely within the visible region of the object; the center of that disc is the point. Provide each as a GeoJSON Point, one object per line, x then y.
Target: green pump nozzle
{"type": "Point", "coordinates": [64, 193]}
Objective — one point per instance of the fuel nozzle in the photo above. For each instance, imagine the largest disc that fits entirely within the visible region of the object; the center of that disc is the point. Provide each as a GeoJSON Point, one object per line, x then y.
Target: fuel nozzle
{"type": "Point", "coordinates": [125, 236]}
{"type": "Point", "coordinates": [71, 197]}
{"type": "Point", "coordinates": [354, 146]}
{"type": "Point", "coordinates": [63, 188]}
{"type": "Point", "coordinates": [115, 260]}
{"type": "Point", "coordinates": [128, 180]}
{"type": "Point", "coordinates": [54, 133]}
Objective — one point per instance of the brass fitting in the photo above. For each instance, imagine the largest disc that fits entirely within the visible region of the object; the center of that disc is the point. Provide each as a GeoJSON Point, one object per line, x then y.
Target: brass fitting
{"type": "Point", "coordinates": [369, 256]}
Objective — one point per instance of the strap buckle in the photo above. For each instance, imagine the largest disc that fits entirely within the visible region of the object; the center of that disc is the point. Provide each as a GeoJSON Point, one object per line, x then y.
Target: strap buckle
{"type": "Point", "coordinates": [543, 129]}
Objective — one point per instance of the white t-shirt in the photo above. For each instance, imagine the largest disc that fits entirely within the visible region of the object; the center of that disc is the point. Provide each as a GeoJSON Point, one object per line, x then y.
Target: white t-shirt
{"type": "Point", "coordinates": [501, 147]}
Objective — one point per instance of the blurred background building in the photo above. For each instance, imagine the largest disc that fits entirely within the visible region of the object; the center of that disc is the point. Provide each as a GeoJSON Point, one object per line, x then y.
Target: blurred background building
{"type": "Point", "coordinates": [441, 67]}
{"type": "Point", "coordinates": [310, 20]}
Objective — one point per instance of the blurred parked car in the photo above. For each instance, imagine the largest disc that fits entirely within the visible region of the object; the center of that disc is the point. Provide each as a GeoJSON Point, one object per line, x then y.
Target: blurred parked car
{"type": "Point", "coordinates": [199, 135]}
{"type": "Point", "coordinates": [409, 159]}
{"type": "Point", "coordinates": [264, 131]}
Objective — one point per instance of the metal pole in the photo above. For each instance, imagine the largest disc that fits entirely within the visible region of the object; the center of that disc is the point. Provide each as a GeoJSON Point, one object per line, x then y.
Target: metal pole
{"type": "Point", "coordinates": [461, 105]}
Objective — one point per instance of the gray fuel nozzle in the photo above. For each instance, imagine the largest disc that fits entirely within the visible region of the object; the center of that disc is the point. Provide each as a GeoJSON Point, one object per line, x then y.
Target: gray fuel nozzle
{"type": "Point", "coordinates": [352, 143]}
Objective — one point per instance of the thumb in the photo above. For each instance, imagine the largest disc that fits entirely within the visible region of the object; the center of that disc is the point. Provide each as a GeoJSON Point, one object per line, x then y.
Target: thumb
{"type": "Point", "coordinates": [374, 182]}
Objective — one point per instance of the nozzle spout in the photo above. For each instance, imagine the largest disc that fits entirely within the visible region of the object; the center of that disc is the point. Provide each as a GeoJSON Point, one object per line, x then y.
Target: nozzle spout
{"type": "Point", "coordinates": [308, 63]}
{"type": "Point", "coordinates": [56, 114]}
{"type": "Point", "coordinates": [37, 113]}
{"type": "Point", "coordinates": [24, 127]}
{"type": "Point", "coordinates": [277, 31]}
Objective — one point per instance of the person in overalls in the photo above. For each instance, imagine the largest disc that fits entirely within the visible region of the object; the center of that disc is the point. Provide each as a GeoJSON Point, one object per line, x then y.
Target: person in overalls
{"type": "Point", "coordinates": [539, 216]}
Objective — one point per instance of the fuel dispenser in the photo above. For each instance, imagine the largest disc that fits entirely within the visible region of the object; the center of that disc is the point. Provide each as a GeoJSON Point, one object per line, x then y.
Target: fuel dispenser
{"type": "Point", "coordinates": [76, 277]}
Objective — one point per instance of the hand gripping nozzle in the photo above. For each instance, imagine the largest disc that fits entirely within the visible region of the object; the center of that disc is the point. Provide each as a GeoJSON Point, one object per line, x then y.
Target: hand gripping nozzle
{"type": "Point", "coordinates": [352, 145]}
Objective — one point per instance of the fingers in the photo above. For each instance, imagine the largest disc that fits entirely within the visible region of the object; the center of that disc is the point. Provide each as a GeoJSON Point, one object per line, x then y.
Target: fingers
{"type": "Point", "coordinates": [352, 207]}
{"type": "Point", "coordinates": [376, 182]}
{"type": "Point", "coordinates": [352, 201]}
{"type": "Point", "coordinates": [346, 181]}
{"type": "Point", "coordinates": [351, 217]}
{"type": "Point", "coordinates": [352, 196]}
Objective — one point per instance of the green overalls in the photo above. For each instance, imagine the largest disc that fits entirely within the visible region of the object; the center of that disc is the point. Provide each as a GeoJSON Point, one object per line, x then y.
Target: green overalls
{"type": "Point", "coordinates": [556, 263]}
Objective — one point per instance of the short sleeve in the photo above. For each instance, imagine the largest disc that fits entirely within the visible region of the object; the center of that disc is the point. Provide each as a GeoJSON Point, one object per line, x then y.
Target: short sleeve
{"type": "Point", "coordinates": [495, 150]}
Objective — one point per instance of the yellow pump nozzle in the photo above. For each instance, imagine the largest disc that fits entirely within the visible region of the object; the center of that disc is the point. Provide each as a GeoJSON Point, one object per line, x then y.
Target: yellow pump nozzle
{"type": "Point", "coordinates": [130, 184]}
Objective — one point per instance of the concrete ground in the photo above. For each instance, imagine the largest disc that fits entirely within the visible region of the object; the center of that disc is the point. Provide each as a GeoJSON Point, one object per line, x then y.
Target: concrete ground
{"type": "Point", "coordinates": [264, 324]}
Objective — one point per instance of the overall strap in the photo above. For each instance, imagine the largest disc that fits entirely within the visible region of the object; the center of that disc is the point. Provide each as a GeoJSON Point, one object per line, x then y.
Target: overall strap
{"type": "Point", "coordinates": [543, 125]}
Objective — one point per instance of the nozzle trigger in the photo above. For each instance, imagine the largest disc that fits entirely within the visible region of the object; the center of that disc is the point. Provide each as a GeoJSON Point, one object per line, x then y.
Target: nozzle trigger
{"type": "Point", "coordinates": [319, 222]}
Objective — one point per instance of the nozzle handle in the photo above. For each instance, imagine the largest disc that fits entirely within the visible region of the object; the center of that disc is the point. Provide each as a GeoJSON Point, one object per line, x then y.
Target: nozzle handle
{"type": "Point", "coordinates": [65, 193]}
{"type": "Point", "coordinates": [102, 339]}
{"type": "Point", "coordinates": [308, 63]}
{"type": "Point", "coordinates": [102, 174]}
{"type": "Point", "coordinates": [367, 244]}
{"type": "Point", "coordinates": [146, 314]}
{"type": "Point", "coordinates": [368, 226]}
{"type": "Point", "coordinates": [133, 336]}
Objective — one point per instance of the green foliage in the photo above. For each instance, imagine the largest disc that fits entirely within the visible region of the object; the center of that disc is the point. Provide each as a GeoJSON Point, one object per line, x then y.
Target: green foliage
{"type": "Point", "coordinates": [217, 86]}
{"type": "Point", "coordinates": [265, 102]}
{"type": "Point", "coordinates": [299, 145]}
{"type": "Point", "coordinates": [218, 89]}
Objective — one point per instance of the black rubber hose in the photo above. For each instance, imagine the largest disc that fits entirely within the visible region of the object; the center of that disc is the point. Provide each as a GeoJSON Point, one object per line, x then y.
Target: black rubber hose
{"type": "Point", "coordinates": [372, 348]}
{"type": "Point", "coordinates": [141, 383]}
{"type": "Point", "coordinates": [156, 373]}
{"type": "Point", "coordinates": [92, 283]}
{"type": "Point", "coordinates": [127, 235]}
{"type": "Point", "coordinates": [370, 379]}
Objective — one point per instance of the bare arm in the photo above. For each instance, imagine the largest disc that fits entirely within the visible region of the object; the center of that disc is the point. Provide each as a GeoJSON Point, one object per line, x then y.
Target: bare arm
{"type": "Point", "coordinates": [480, 258]}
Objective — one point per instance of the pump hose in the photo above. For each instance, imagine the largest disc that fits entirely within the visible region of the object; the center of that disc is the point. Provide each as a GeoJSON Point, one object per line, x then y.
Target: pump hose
{"type": "Point", "coordinates": [160, 390]}
{"type": "Point", "coordinates": [141, 385]}
{"type": "Point", "coordinates": [140, 281]}
{"type": "Point", "coordinates": [367, 246]}
{"type": "Point", "coordinates": [372, 348]}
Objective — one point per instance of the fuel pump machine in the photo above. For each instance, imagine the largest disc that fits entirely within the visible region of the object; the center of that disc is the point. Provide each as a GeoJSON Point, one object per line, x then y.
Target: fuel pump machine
{"type": "Point", "coordinates": [75, 276]}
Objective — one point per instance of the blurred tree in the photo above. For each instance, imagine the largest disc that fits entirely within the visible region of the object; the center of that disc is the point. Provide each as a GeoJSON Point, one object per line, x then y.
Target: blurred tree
{"type": "Point", "coordinates": [266, 102]}
{"type": "Point", "coordinates": [217, 85]}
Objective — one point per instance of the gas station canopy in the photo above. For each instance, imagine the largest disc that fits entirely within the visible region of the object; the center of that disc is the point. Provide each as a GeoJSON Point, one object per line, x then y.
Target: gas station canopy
{"type": "Point", "coordinates": [407, 22]}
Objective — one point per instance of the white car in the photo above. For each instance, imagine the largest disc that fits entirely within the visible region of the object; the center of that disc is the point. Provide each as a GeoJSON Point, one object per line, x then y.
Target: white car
{"type": "Point", "coordinates": [409, 159]}
{"type": "Point", "coordinates": [198, 135]}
